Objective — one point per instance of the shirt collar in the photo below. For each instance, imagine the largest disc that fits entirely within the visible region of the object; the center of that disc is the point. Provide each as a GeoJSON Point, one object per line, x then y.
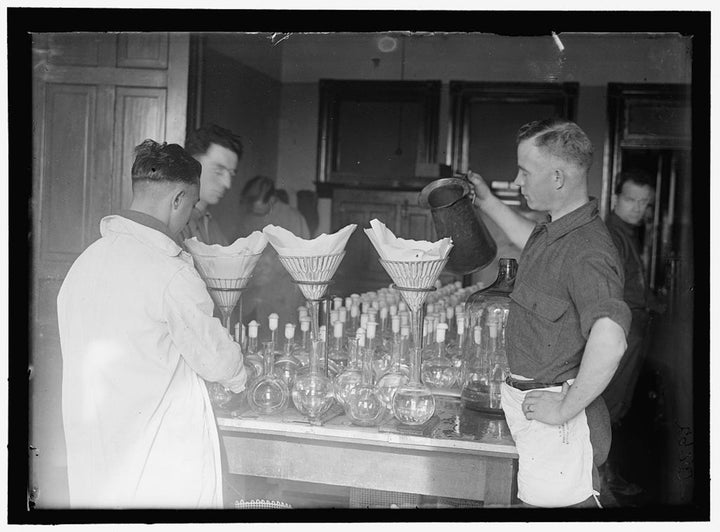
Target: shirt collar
{"type": "Point", "coordinates": [148, 221]}
{"type": "Point", "coordinates": [621, 224]}
{"type": "Point", "coordinates": [572, 220]}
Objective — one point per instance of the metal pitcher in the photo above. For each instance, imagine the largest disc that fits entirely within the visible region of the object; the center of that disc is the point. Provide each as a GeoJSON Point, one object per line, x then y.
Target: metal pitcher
{"type": "Point", "coordinates": [453, 215]}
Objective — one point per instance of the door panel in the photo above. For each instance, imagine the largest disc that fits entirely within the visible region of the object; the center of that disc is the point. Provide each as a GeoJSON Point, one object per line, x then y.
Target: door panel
{"type": "Point", "coordinates": [139, 115]}
{"type": "Point", "coordinates": [143, 50]}
{"type": "Point", "coordinates": [69, 135]}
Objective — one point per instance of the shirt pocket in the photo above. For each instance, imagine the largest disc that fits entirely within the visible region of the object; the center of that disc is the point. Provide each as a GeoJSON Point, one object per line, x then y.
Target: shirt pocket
{"type": "Point", "coordinates": [541, 321]}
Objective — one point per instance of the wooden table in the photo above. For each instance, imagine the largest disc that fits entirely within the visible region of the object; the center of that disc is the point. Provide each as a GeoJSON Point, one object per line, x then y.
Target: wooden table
{"type": "Point", "coordinates": [465, 455]}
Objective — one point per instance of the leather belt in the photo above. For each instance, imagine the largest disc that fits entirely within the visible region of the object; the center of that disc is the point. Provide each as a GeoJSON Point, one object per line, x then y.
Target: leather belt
{"type": "Point", "coordinates": [529, 385]}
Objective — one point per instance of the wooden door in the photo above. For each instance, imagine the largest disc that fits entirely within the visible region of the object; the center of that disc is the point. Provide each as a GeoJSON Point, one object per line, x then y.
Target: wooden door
{"type": "Point", "coordinates": [95, 97]}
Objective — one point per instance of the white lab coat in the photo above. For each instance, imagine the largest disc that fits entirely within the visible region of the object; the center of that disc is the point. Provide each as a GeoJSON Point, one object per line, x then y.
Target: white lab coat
{"type": "Point", "coordinates": [138, 338]}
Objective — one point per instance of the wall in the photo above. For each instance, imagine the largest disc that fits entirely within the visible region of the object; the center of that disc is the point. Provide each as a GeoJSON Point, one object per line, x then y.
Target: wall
{"type": "Point", "coordinates": [591, 60]}
{"type": "Point", "coordinates": [247, 102]}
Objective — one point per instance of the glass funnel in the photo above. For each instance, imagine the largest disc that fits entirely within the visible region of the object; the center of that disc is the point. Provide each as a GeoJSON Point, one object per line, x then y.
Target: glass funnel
{"type": "Point", "coordinates": [268, 394]}
{"type": "Point", "coordinates": [312, 392]}
{"type": "Point", "coordinates": [363, 405]}
{"type": "Point", "coordinates": [414, 403]}
{"type": "Point", "coordinates": [225, 278]}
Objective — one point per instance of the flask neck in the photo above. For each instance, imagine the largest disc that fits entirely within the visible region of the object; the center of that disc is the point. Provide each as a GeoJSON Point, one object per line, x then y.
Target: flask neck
{"type": "Point", "coordinates": [269, 358]}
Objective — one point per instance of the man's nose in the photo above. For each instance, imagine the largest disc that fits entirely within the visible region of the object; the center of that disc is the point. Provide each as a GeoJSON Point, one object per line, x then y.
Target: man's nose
{"type": "Point", "coordinates": [227, 180]}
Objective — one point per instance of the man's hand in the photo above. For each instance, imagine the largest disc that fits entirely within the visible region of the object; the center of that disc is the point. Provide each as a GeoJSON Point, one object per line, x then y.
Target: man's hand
{"type": "Point", "coordinates": [545, 406]}
{"type": "Point", "coordinates": [482, 190]}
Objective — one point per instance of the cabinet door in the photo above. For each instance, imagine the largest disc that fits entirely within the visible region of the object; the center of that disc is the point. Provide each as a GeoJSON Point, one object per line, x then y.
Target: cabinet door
{"type": "Point", "coordinates": [93, 101]}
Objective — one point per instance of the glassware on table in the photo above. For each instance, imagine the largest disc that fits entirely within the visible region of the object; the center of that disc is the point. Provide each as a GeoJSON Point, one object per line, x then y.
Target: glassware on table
{"type": "Point", "coordinates": [488, 309]}
{"type": "Point", "coordinates": [268, 394]}
{"type": "Point", "coordinates": [476, 375]}
{"type": "Point", "coordinates": [312, 392]}
{"type": "Point", "coordinates": [338, 354]}
{"type": "Point", "coordinates": [253, 355]}
{"type": "Point", "coordinates": [363, 405]}
{"type": "Point", "coordinates": [439, 371]}
{"type": "Point", "coordinates": [398, 375]}
{"type": "Point", "coordinates": [286, 364]}
{"type": "Point", "coordinates": [351, 375]}
{"type": "Point", "coordinates": [302, 349]}
{"type": "Point", "coordinates": [414, 403]}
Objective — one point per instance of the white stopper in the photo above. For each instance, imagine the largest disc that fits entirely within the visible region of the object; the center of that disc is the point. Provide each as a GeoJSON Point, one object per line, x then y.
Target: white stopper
{"type": "Point", "coordinates": [383, 313]}
{"type": "Point", "coordinates": [273, 321]}
{"type": "Point", "coordinates": [334, 316]}
{"type": "Point", "coordinates": [440, 332]}
{"type": "Point", "coordinates": [342, 314]}
{"type": "Point", "coordinates": [338, 329]}
{"type": "Point", "coordinates": [449, 312]}
{"type": "Point", "coordinates": [253, 329]}
{"type": "Point", "coordinates": [354, 311]}
{"type": "Point", "coordinates": [404, 330]}
{"type": "Point", "coordinates": [302, 311]}
{"type": "Point", "coordinates": [393, 309]}
{"type": "Point", "coordinates": [395, 324]}
{"type": "Point", "coordinates": [305, 324]}
{"type": "Point", "coordinates": [477, 334]}
{"type": "Point", "coordinates": [337, 303]}
{"type": "Point", "coordinates": [461, 324]}
{"type": "Point", "coordinates": [289, 331]}
{"type": "Point", "coordinates": [371, 327]}
{"type": "Point", "coordinates": [348, 302]}
{"type": "Point", "coordinates": [363, 320]}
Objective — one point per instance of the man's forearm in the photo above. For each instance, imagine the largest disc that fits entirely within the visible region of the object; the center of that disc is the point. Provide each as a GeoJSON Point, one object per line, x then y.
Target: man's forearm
{"type": "Point", "coordinates": [603, 352]}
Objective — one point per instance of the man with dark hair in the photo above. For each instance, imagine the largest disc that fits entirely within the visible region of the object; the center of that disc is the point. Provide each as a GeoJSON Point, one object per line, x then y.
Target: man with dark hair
{"type": "Point", "coordinates": [138, 338]}
{"type": "Point", "coordinates": [218, 150]}
{"type": "Point", "coordinates": [634, 194]}
{"type": "Point", "coordinates": [567, 322]}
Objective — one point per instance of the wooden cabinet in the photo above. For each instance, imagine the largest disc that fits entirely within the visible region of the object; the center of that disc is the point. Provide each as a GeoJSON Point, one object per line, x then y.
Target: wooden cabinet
{"type": "Point", "coordinates": [360, 270]}
{"type": "Point", "coordinates": [95, 97]}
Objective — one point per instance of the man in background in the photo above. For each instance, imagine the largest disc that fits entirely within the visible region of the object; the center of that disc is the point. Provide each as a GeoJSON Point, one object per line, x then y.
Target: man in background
{"type": "Point", "coordinates": [138, 338]}
{"type": "Point", "coordinates": [218, 150]}
{"type": "Point", "coordinates": [271, 288]}
{"type": "Point", "coordinates": [634, 194]}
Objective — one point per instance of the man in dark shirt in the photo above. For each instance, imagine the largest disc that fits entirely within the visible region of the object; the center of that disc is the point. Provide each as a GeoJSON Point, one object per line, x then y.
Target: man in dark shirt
{"type": "Point", "coordinates": [567, 322]}
{"type": "Point", "coordinates": [634, 193]}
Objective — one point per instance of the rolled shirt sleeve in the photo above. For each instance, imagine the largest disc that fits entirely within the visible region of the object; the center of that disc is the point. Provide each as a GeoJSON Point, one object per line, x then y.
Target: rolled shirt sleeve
{"type": "Point", "coordinates": [204, 343]}
{"type": "Point", "coordinates": [596, 289]}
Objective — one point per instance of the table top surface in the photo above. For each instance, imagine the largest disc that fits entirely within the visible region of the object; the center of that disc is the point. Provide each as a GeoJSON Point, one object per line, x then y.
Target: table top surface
{"type": "Point", "coordinates": [454, 428]}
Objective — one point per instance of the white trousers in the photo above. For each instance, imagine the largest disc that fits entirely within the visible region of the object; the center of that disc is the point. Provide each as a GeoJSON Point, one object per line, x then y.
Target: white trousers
{"type": "Point", "coordinates": [555, 461]}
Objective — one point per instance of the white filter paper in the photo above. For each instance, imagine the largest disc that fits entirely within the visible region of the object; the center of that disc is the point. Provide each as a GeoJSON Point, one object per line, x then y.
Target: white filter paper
{"type": "Point", "coordinates": [288, 244]}
{"type": "Point", "coordinates": [392, 248]}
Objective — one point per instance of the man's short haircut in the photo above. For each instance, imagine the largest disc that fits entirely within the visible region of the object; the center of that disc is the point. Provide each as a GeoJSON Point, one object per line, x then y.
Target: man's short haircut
{"type": "Point", "coordinates": [198, 141]}
{"type": "Point", "coordinates": [561, 138]}
{"type": "Point", "coordinates": [258, 188]}
{"type": "Point", "coordinates": [157, 163]}
{"type": "Point", "coordinates": [640, 177]}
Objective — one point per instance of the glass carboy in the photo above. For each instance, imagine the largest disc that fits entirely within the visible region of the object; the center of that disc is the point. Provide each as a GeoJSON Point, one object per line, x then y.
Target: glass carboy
{"type": "Point", "coordinates": [488, 309]}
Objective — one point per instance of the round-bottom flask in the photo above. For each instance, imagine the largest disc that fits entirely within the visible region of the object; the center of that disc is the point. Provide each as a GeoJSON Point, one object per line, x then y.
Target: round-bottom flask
{"type": "Point", "coordinates": [350, 376]}
{"type": "Point", "coordinates": [414, 404]}
{"type": "Point", "coordinates": [268, 394]}
{"type": "Point", "coordinates": [364, 406]}
{"type": "Point", "coordinates": [312, 392]}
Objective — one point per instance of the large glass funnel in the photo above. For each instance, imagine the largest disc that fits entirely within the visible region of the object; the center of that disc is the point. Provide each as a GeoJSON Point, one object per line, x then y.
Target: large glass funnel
{"type": "Point", "coordinates": [225, 277]}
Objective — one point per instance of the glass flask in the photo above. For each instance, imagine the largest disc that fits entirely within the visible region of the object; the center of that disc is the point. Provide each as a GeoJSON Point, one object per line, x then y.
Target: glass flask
{"type": "Point", "coordinates": [351, 375]}
{"type": "Point", "coordinates": [219, 395]}
{"type": "Point", "coordinates": [253, 357]}
{"type": "Point", "coordinates": [312, 392]}
{"type": "Point", "coordinates": [302, 349]}
{"type": "Point", "coordinates": [287, 366]}
{"type": "Point", "coordinates": [363, 405]}
{"type": "Point", "coordinates": [398, 375]}
{"type": "Point", "coordinates": [337, 353]}
{"type": "Point", "coordinates": [438, 371]}
{"type": "Point", "coordinates": [457, 351]}
{"type": "Point", "coordinates": [413, 404]}
{"type": "Point", "coordinates": [488, 309]}
{"type": "Point", "coordinates": [476, 375]}
{"type": "Point", "coordinates": [268, 394]}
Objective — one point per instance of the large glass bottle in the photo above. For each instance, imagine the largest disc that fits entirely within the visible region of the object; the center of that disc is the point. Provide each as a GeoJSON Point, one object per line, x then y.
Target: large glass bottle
{"type": "Point", "coordinates": [312, 391]}
{"type": "Point", "coordinates": [268, 394]}
{"type": "Point", "coordinates": [488, 308]}
{"type": "Point", "coordinates": [363, 405]}
{"type": "Point", "coordinates": [438, 371]}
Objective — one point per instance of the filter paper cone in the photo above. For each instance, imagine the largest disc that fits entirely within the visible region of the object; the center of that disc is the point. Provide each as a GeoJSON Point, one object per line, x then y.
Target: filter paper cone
{"type": "Point", "coordinates": [236, 261]}
{"type": "Point", "coordinates": [390, 247]}
{"type": "Point", "coordinates": [289, 245]}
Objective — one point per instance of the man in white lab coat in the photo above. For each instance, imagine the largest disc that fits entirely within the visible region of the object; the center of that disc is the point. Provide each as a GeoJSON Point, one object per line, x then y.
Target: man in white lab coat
{"type": "Point", "coordinates": [138, 338]}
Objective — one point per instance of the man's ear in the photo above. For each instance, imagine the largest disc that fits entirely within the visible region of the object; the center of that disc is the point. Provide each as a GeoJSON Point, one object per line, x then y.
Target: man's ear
{"type": "Point", "coordinates": [559, 177]}
{"type": "Point", "coordinates": [177, 198]}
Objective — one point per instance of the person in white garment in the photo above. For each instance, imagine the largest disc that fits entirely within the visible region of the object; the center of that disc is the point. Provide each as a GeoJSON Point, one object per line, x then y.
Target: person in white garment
{"type": "Point", "coordinates": [567, 325]}
{"type": "Point", "coordinates": [138, 338]}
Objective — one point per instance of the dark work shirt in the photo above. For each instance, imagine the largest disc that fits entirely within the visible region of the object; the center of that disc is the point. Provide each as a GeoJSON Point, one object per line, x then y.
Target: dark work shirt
{"type": "Point", "coordinates": [627, 241]}
{"type": "Point", "coordinates": [569, 275]}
